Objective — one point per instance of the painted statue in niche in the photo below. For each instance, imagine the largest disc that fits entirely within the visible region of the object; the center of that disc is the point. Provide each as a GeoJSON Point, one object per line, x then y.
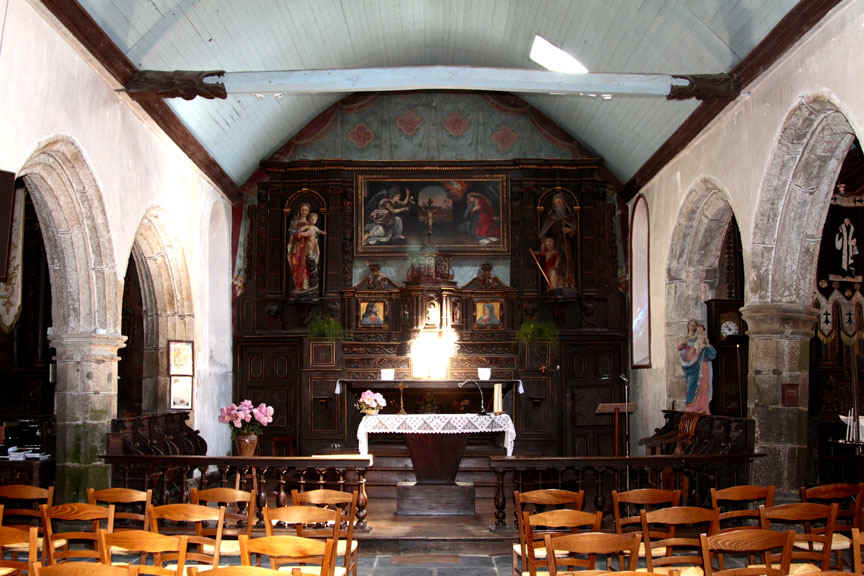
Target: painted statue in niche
{"type": "Point", "coordinates": [404, 215]}
{"type": "Point", "coordinates": [696, 354]}
{"type": "Point", "coordinates": [558, 253]}
{"type": "Point", "coordinates": [303, 251]}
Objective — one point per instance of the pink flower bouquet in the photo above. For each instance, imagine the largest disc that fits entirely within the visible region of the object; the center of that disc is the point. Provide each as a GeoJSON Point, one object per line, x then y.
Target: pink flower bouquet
{"type": "Point", "coordinates": [371, 402]}
{"type": "Point", "coordinates": [245, 418]}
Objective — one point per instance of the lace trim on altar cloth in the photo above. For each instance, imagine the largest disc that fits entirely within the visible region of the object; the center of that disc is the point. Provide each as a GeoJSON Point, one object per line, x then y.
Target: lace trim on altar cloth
{"type": "Point", "coordinates": [435, 424]}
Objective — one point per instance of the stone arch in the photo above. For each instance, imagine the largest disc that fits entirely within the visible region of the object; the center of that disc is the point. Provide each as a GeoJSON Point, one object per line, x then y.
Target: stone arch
{"type": "Point", "coordinates": [793, 203]}
{"type": "Point", "coordinates": [692, 272]}
{"type": "Point", "coordinates": [167, 301]}
{"type": "Point", "coordinates": [68, 203]}
{"type": "Point", "coordinates": [85, 309]}
{"type": "Point", "coordinates": [794, 200]}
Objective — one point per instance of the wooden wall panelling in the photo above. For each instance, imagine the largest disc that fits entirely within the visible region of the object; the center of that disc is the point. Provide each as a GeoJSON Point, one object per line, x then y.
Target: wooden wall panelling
{"type": "Point", "coordinates": [584, 363]}
{"type": "Point", "coordinates": [268, 372]}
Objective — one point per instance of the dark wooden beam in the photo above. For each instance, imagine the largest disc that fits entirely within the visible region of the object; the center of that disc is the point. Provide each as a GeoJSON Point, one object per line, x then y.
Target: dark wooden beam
{"type": "Point", "coordinates": [79, 23]}
{"type": "Point", "coordinates": [789, 30]}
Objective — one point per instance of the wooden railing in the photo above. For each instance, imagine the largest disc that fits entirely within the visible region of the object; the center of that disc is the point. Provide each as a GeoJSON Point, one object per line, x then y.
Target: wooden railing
{"type": "Point", "coordinates": [172, 477]}
{"type": "Point", "coordinates": [599, 475]}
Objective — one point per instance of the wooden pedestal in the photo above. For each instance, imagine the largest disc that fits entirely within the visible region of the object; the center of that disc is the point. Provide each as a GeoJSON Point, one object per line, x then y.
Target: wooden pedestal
{"type": "Point", "coordinates": [414, 499]}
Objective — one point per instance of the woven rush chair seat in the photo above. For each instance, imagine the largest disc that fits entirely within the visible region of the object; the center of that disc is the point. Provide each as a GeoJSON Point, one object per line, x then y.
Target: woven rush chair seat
{"type": "Point", "coordinates": [795, 569]}
{"type": "Point", "coordinates": [838, 542]}
{"type": "Point", "coordinates": [682, 570]}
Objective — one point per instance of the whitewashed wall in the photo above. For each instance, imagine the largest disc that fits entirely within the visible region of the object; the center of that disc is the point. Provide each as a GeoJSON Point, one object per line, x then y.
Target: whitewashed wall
{"type": "Point", "coordinates": [48, 88]}
{"type": "Point", "coordinates": [734, 152]}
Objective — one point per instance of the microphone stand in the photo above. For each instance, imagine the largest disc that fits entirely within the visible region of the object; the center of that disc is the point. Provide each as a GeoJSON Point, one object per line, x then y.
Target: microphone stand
{"type": "Point", "coordinates": [482, 411]}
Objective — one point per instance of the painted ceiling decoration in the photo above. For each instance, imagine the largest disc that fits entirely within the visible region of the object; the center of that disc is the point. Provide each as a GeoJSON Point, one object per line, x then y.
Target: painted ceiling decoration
{"type": "Point", "coordinates": [666, 37]}
{"type": "Point", "coordinates": [430, 126]}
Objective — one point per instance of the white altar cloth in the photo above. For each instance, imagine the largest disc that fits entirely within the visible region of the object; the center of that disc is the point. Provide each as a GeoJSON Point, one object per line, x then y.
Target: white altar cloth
{"type": "Point", "coordinates": [435, 424]}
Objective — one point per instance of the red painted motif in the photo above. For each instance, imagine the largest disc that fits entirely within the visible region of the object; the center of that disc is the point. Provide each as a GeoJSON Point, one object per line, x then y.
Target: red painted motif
{"type": "Point", "coordinates": [456, 124]}
{"type": "Point", "coordinates": [409, 122]}
{"type": "Point", "coordinates": [504, 138]}
{"type": "Point", "coordinates": [361, 135]}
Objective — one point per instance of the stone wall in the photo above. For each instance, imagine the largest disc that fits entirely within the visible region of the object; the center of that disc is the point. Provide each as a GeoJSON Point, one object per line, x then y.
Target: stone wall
{"type": "Point", "coordinates": [96, 167]}
{"type": "Point", "coordinates": [774, 153]}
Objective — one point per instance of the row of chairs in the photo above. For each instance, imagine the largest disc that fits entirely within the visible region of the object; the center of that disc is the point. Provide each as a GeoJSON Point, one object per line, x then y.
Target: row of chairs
{"type": "Point", "coordinates": [825, 512]}
{"type": "Point", "coordinates": [216, 531]}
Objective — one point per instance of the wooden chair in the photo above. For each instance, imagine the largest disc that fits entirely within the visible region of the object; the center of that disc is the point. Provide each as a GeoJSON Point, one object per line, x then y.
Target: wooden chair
{"type": "Point", "coordinates": [857, 542]}
{"type": "Point", "coordinates": [86, 541]}
{"type": "Point", "coordinates": [816, 540]}
{"type": "Point", "coordinates": [125, 519]}
{"type": "Point", "coordinates": [15, 497]}
{"type": "Point", "coordinates": [590, 545]}
{"type": "Point", "coordinates": [680, 552]}
{"type": "Point", "coordinates": [83, 569]}
{"type": "Point", "coordinates": [346, 502]}
{"type": "Point", "coordinates": [648, 498]}
{"type": "Point", "coordinates": [240, 515]}
{"type": "Point", "coordinates": [28, 537]}
{"type": "Point", "coordinates": [743, 505]}
{"type": "Point", "coordinates": [197, 515]}
{"type": "Point", "coordinates": [309, 522]}
{"type": "Point", "coordinates": [283, 549]}
{"type": "Point", "coordinates": [536, 526]}
{"type": "Point", "coordinates": [145, 543]}
{"type": "Point", "coordinates": [849, 497]}
{"type": "Point", "coordinates": [749, 542]}
{"type": "Point", "coordinates": [552, 497]}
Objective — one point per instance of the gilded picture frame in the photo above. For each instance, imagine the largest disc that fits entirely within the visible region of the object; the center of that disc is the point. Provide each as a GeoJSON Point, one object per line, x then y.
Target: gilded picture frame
{"type": "Point", "coordinates": [451, 212]}
{"type": "Point", "coordinates": [488, 314]}
{"type": "Point", "coordinates": [372, 314]}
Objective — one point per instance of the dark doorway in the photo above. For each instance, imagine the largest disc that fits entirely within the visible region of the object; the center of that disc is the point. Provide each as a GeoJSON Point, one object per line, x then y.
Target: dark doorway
{"type": "Point", "coordinates": [130, 371]}
{"type": "Point", "coordinates": [25, 357]}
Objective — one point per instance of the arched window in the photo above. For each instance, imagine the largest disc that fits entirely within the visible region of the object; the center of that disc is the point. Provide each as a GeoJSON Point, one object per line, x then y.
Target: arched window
{"type": "Point", "coordinates": [640, 285]}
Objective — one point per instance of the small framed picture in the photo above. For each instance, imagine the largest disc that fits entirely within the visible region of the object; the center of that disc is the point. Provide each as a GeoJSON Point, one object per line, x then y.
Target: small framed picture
{"type": "Point", "coordinates": [181, 392]}
{"type": "Point", "coordinates": [373, 314]}
{"type": "Point", "coordinates": [487, 314]}
{"type": "Point", "coordinates": [181, 358]}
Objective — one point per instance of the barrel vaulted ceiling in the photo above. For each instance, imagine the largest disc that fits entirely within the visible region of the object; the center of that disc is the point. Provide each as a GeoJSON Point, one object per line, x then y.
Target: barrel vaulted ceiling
{"type": "Point", "coordinates": [666, 36]}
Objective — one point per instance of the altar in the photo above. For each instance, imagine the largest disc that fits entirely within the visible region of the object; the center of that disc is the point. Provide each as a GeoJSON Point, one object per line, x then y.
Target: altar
{"type": "Point", "coordinates": [436, 443]}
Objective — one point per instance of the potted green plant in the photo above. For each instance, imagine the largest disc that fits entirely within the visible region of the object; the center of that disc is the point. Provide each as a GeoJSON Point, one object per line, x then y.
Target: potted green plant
{"type": "Point", "coordinates": [537, 339]}
{"type": "Point", "coordinates": [325, 332]}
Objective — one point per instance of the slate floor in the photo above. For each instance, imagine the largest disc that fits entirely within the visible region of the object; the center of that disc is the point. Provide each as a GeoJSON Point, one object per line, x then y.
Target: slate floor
{"type": "Point", "coordinates": [435, 565]}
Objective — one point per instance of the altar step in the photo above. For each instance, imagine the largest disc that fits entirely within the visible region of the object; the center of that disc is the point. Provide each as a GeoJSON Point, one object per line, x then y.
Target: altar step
{"type": "Point", "coordinates": [392, 534]}
{"type": "Point", "coordinates": [393, 466]}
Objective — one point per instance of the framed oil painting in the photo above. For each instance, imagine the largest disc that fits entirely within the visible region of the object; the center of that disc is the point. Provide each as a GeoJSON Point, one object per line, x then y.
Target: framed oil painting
{"type": "Point", "coordinates": [181, 392]}
{"type": "Point", "coordinates": [181, 358]}
{"type": "Point", "coordinates": [305, 232]}
{"type": "Point", "coordinates": [456, 215]}
{"type": "Point", "coordinates": [373, 314]}
{"type": "Point", "coordinates": [487, 314]}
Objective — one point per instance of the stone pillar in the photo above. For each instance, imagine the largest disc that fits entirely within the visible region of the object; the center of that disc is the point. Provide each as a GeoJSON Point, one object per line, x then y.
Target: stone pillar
{"type": "Point", "coordinates": [778, 389]}
{"type": "Point", "coordinates": [85, 401]}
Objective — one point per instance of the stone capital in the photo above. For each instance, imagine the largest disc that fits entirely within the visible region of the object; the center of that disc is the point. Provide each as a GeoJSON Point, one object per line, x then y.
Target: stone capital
{"type": "Point", "coordinates": [84, 345]}
{"type": "Point", "coordinates": [779, 319]}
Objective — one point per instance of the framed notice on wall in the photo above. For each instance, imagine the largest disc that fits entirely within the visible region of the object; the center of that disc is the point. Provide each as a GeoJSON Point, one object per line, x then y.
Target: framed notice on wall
{"type": "Point", "coordinates": [181, 369]}
{"type": "Point", "coordinates": [181, 358]}
{"type": "Point", "coordinates": [640, 285]}
{"type": "Point", "coordinates": [181, 392]}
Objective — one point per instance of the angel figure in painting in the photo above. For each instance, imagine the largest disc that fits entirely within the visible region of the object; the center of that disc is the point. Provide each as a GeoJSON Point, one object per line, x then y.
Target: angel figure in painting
{"type": "Point", "coordinates": [386, 222]}
{"type": "Point", "coordinates": [696, 355]}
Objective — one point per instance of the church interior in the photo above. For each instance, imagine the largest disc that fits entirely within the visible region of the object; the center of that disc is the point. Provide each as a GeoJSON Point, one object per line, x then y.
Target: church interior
{"type": "Point", "coordinates": [436, 269]}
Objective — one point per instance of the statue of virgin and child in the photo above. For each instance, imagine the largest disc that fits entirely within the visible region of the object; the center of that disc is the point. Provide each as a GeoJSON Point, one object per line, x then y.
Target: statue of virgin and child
{"type": "Point", "coordinates": [696, 354]}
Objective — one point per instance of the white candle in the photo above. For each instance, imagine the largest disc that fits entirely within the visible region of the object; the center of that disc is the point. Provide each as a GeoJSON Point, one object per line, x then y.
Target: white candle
{"type": "Point", "coordinates": [498, 399]}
